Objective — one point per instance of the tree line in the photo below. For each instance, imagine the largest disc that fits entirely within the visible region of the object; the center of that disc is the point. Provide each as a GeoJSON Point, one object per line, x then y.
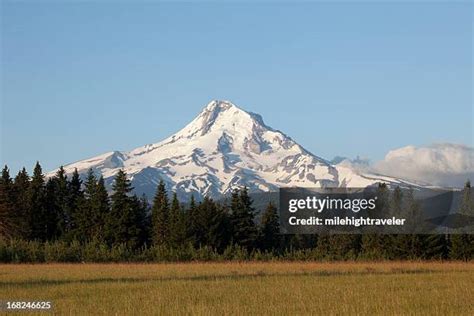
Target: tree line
{"type": "Point", "coordinates": [64, 218]}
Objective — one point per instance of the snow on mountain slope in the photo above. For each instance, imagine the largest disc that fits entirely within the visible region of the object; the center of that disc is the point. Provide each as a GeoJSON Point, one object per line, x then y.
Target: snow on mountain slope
{"type": "Point", "coordinates": [222, 148]}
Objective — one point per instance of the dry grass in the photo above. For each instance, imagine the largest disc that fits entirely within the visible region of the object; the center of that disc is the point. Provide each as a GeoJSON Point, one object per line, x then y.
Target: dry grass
{"type": "Point", "coordinates": [400, 288]}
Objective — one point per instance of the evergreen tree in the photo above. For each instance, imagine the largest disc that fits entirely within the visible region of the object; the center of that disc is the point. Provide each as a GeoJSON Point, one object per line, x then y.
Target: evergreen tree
{"type": "Point", "coordinates": [196, 220]}
{"type": "Point", "coordinates": [52, 209]}
{"type": "Point", "coordinates": [467, 204]}
{"type": "Point", "coordinates": [124, 223]}
{"type": "Point", "coordinates": [75, 199]}
{"type": "Point", "coordinates": [393, 245]}
{"type": "Point", "coordinates": [94, 209]}
{"type": "Point", "coordinates": [177, 225]}
{"type": "Point", "coordinates": [160, 216]}
{"type": "Point", "coordinates": [6, 181]}
{"type": "Point", "coordinates": [410, 245]}
{"type": "Point", "coordinates": [60, 200]}
{"type": "Point", "coordinates": [20, 197]}
{"type": "Point", "coordinates": [243, 225]}
{"type": "Point", "coordinates": [191, 219]}
{"type": "Point", "coordinates": [100, 209]}
{"type": "Point", "coordinates": [270, 229]}
{"type": "Point", "coordinates": [396, 201]}
{"type": "Point", "coordinates": [37, 214]}
{"type": "Point", "coordinates": [42, 219]}
{"type": "Point", "coordinates": [8, 228]}
{"type": "Point", "coordinates": [211, 227]}
{"type": "Point", "coordinates": [434, 247]}
{"type": "Point", "coordinates": [139, 219]}
{"type": "Point", "coordinates": [146, 211]}
{"type": "Point", "coordinates": [85, 217]}
{"type": "Point", "coordinates": [375, 245]}
{"type": "Point", "coordinates": [56, 204]}
{"type": "Point", "coordinates": [461, 245]}
{"type": "Point", "coordinates": [6, 219]}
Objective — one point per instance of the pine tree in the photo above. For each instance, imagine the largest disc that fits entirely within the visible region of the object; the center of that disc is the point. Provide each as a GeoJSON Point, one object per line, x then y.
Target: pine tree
{"type": "Point", "coordinates": [270, 229]}
{"type": "Point", "coordinates": [56, 204]}
{"type": "Point", "coordinates": [52, 210]}
{"type": "Point", "coordinates": [8, 228]}
{"type": "Point", "coordinates": [146, 211]}
{"type": "Point", "coordinates": [160, 216]}
{"type": "Point", "coordinates": [396, 201]}
{"type": "Point", "coordinates": [461, 245]}
{"type": "Point", "coordinates": [6, 181]}
{"type": "Point", "coordinates": [75, 199]}
{"type": "Point", "coordinates": [85, 218]}
{"type": "Point", "coordinates": [94, 209]}
{"type": "Point", "coordinates": [177, 228]}
{"type": "Point", "coordinates": [39, 217]}
{"type": "Point", "coordinates": [6, 219]}
{"type": "Point", "coordinates": [191, 219]}
{"type": "Point", "coordinates": [35, 211]}
{"type": "Point", "coordinates": [21, 185]}
{"type": "Point", "coordinates": [467, 204]}
{"type": "Point", "coordinates": [90, 189]}
{"type": "Point", "coordinates": [124, 221]}
{"type": "Point", "coordinates": [393, 246]}
{"type": "Point", "coordinates": [100, 210]}
{"type": "Point", "coordinates": [410, 245]}
{"type": "Point", "coordinates": [90, 185]}
{"type": "Point", "coordinates": [243, 225]}
{"type": "Point", "coordinates": [373, 244]}
{"type": "Point", "coordinates": [434, 246]}
{"type": "Point", "coordinates": [138, 219]}
{"type": "Point", "coordinates": [211, 227]}
{"type": "Point", "coordinates": [61, 194]}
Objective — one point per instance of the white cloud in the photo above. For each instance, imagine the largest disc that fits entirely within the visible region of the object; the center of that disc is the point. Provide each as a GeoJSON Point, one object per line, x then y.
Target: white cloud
{"type": "Point", "coordinates": [438, 164]}
{"type": "Point", "coordinates": [361, 165]}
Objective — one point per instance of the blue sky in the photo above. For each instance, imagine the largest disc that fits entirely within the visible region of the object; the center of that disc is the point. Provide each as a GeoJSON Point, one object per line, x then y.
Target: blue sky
{"type": "Point", "coordinates": [341, 79]}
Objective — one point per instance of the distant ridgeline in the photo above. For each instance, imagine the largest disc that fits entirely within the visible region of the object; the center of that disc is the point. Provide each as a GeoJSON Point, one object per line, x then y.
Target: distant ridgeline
{"type": "Point", "coordinates": [67, 219]}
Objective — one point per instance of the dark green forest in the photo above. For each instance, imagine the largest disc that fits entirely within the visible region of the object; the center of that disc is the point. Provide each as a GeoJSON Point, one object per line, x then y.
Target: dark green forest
{"type": "Point", "coordinates": [66, 219]}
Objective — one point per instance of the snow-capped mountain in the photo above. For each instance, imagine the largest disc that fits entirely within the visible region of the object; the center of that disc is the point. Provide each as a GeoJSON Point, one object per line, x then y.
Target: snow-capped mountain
{"type": "Point", "coordinates": [222, 148]}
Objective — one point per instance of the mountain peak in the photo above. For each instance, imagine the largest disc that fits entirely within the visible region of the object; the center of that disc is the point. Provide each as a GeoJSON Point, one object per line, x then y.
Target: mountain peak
{"type": "Point", "coordinates": [218, 108]}
{"type": "Point", "coordinates": [219, 105]}
{"type": "Point", "coordinates": [223, 116]}
{"type": "Point", "coordinates": [222, 148]}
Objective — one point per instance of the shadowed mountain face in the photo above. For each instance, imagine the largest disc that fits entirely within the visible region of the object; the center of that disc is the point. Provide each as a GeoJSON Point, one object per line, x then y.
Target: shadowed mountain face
{"type": "Point", "coordinates": [222, 148]}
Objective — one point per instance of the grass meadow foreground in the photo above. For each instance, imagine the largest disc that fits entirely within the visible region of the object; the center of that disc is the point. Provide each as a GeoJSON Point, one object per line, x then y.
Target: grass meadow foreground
{"type": "Point", "coordinates": [245, 288]}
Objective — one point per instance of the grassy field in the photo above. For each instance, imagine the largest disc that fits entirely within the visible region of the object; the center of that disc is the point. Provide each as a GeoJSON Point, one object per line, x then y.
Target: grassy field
{"type": "Point", "coordinates": [400, 288]}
